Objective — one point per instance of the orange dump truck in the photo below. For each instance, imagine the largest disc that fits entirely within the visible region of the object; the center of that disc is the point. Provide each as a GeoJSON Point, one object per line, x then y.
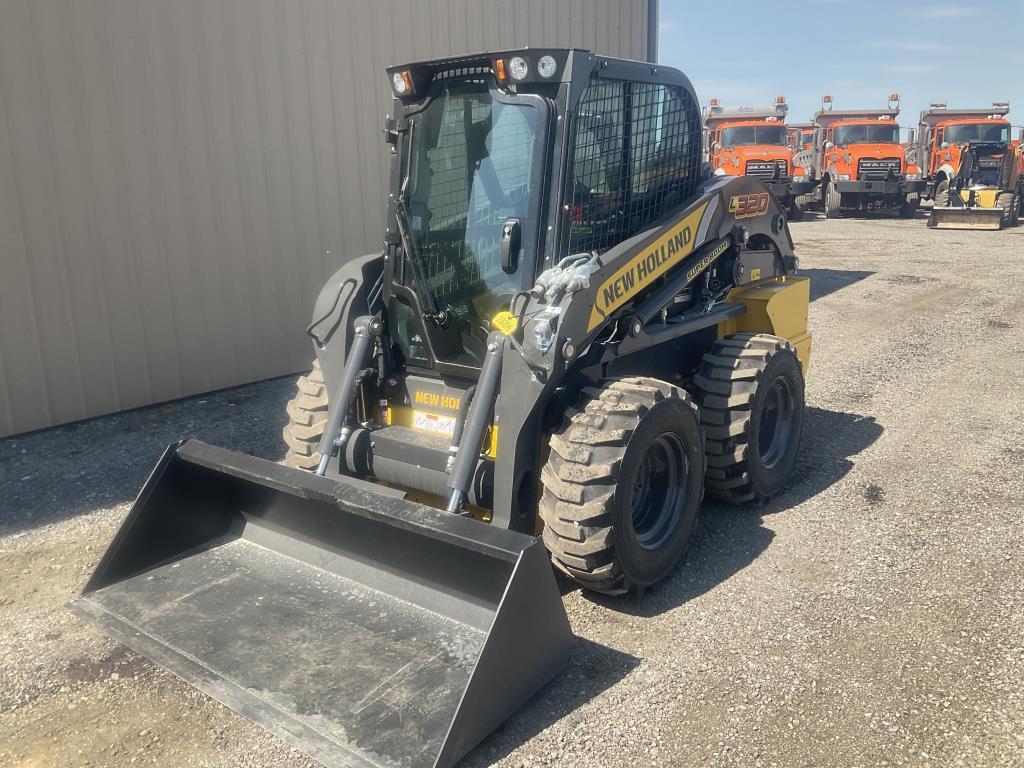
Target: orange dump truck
{"type": "Point", "coordinates": [800, 136]}
{"type": "Point", "coordinates": [752, 141]}
{"type": "Point", "coordinates": [862, 166]}
{"type": "Point", "coordinates": [944, 134]}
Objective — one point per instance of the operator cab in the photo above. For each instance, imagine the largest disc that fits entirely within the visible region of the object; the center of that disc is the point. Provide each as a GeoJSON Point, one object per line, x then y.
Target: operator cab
{"type": "Point", "coordinates": [481, 161]}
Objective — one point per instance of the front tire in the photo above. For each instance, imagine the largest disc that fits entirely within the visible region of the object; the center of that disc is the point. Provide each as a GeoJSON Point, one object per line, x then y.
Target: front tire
{"type": "Point", "coordinates": [623, 485]}
{"type": "Point", "coordinates": [941, 196]}
{"type": "Point", "coordinates": [751, 396]}
{"type": "Point", "coordinates": [1008, 202]}
{"type": "Point", "coordinates": [833, 201]}
{"type": "Point", "coordinates": [307, 415]}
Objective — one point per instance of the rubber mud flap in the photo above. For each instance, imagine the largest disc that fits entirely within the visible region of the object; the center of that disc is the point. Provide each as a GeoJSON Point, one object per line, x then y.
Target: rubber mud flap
{"type": "Point", "coordinates": [359, 627]}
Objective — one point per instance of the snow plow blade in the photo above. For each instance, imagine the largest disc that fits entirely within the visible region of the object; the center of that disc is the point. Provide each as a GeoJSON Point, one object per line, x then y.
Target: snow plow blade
{"type": "Point", "coordinates": [359, 627]}
{"type": "Point", "coordinates": [965, 218]}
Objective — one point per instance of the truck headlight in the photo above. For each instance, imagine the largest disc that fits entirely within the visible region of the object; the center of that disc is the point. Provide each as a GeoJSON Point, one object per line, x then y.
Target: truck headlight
{"type": "Point", "coordinates": [842, 177]}
{"type": "Point", "coordinates": [719, 171]}
{"type": "Point", "coordinates": [913, 177]}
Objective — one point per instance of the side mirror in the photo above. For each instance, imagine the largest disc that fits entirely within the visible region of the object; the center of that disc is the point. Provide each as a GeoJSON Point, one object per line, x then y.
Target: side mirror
{"type": "Point", "coordinates": [945, 145]}
{"type": "Point", "coordinates": [511, 244]}
{"type": "Point", "coordinates": [716, 146]}
{"type": "Point", "coordinates": [829, 145]}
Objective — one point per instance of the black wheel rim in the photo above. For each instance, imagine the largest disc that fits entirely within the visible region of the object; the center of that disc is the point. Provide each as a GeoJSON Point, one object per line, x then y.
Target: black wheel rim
{"type": "Point", "coordinates": [659, 492]}
{"type": "Point", "coordinates": [775, 427]}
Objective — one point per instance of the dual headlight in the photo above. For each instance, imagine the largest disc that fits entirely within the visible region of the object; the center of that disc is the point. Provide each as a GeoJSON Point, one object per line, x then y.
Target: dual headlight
{"type": "Point", "coordinates": [913, 176]}
{"type": "Point", "coordinates": [519, 67]}
{"type": "Point", "coordinates": [842, 177]}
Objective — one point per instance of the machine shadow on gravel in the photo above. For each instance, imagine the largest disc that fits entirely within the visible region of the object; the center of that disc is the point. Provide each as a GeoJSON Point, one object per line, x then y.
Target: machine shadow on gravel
{"type": "Point", "coordinates": [593, 668]}
{"type": "Point", "coordinates": [728, 538]}
{"type": "Point", "coordinates": [59, 473]}
{"type": "Point", "coordinates": [826, 281]}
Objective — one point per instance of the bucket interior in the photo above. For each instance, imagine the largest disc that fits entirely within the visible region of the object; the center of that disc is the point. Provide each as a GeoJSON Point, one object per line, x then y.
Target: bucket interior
{"type": "Point", "coordinates": [350, 632]}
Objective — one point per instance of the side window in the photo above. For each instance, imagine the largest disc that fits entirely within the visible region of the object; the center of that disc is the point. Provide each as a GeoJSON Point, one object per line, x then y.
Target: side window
{"type": "Point", "coordinates": [598, 188]}
{"type": "Point", "coordinates": [636, 156]}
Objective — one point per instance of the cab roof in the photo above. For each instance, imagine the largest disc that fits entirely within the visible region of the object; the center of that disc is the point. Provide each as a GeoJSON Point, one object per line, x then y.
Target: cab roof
{"type": "Point", "coordinates": [940, 113]}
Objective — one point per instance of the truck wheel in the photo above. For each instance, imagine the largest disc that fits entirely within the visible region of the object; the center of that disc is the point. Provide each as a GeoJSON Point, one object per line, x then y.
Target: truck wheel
{"type": "Point", "coordinates": [751, 396]}
{"type": "Point", "coordinates": [623, 485]}
{"type": "Point", "coordinates": [307, 413]}
{"type": "Point", "coordinates": [833, 201]}
{"type": "Point", "coordinates": [941, 195]}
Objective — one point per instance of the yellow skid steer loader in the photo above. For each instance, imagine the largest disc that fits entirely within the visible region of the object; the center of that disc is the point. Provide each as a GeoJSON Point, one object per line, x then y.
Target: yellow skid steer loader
{"type": "Point", "coordinates": [570, 334]}
{"type": "Point", "coordinates": [986, 191]}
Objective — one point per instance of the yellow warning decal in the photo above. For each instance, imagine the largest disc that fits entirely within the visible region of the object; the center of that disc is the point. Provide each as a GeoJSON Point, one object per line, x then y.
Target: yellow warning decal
{"type": "Point", "coordinates": [644, 268]}
{"type": "Point", "coordinates": [755, 274]}
{"type": "Point", "coordinates": [505, 322]}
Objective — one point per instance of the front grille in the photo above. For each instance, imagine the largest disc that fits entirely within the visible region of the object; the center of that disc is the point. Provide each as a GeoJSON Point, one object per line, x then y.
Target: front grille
{"type": "Point", "coordinates": [765, 169]}
{"type": "Point", "coordinates": [871, 169]}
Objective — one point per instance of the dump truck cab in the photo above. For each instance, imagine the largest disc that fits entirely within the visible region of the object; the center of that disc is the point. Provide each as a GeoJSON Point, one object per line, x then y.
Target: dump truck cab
{"type": "Point", "coordinates": [861, 163]}
{"type": "Point", "coordinates": [753, 141]}
{"type": "Point", "coordinates": [944, 134]}
{"type": "Point", "coordinates": [800, 136]}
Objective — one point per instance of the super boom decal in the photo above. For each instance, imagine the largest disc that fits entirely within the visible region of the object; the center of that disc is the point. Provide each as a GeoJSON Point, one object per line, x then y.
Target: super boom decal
{"type": "Point", "coordinates": [644, 268]}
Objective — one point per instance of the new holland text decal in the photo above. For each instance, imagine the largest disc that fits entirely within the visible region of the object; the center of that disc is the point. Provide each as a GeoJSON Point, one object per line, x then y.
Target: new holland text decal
{"type": "Point", "coordinates": [745, 206]}
{"type": "Point", "coordinates": [648, 265]}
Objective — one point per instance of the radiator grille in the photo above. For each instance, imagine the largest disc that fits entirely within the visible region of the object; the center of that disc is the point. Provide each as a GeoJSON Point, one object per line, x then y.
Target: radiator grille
{"type": "Point", "coordinates": [766, 169]}
{"type": "Point", "coordinates": [872, 169]}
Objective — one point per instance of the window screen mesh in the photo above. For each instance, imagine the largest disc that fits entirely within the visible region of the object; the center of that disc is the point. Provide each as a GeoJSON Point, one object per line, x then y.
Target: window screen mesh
{"type": "Point", "coordinates": [636, 156]}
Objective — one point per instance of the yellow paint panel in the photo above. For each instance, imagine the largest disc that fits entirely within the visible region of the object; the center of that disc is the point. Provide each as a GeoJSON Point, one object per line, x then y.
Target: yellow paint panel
{"type": "Point", "coordinates": [778, 307]}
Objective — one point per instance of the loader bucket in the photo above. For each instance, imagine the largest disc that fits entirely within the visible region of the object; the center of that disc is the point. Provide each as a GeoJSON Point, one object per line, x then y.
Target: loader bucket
{"type": "Point", "coordinates": [965, 218]}
{"type": "Point", "coordinates": [359, 627]}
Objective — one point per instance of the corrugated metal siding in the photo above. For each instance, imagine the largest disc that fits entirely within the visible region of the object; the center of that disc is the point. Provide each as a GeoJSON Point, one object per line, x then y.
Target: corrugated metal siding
{"type": "Point", "coordinates": [178, 177]}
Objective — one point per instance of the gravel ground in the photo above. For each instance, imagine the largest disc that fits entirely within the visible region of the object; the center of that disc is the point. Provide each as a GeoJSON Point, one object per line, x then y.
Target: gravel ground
{"type": "Point", "coordinates": [873, 615]}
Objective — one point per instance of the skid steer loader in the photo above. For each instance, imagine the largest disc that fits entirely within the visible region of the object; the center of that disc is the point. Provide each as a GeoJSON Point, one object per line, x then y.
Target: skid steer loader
{"type": "Point", "coordinates": [569, 335]}
{"type": "Point", "coordinates": [985, 192]}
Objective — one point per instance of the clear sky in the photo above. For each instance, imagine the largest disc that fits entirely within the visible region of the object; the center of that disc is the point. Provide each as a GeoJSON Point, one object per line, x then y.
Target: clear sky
{"type": "Point", "coordinates": [966, 52]}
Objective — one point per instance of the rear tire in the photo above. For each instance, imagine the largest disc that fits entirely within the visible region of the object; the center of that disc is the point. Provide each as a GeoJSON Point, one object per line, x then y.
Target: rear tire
{"type": "Point", "coordinates": [833, 201]}
{"type": "Point", "coordinates": [307, 414]}
{"type": "Point", "coordinates": [623, 485]}
{"type": "Point", "coordinates": [751, 395]}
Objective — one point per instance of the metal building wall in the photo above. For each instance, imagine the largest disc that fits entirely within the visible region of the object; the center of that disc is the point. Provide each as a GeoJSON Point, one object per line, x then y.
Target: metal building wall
{"type": "Point", "coordinates": [178, 177]}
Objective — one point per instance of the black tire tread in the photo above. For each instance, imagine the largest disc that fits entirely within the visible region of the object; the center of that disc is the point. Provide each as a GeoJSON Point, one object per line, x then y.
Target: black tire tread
{"type": "Point", "coordinates": [726, 381]}
{"type": "Point", "coordinates": [307, 414]}
{"type": "Point", "coordinates": [578, 491]}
